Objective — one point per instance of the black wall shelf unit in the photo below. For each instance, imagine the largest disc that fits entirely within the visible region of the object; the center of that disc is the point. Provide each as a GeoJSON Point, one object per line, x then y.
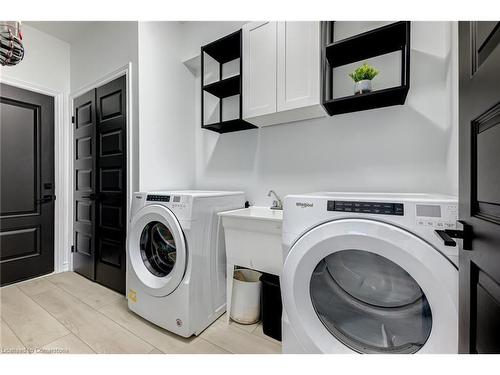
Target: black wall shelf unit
{"type": "Point", "coordinates": [224, 50]}
{"type": "Point", "coordinates": [224, 88]}
{"type": "Point", "coordinates": [386, 39]}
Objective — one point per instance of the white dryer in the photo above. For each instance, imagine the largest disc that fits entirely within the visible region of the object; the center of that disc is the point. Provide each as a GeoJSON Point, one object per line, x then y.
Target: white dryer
{"type": "Point", "coordinates": [176, 258]}
{"type": "Point", "coordinates": [366, 273]}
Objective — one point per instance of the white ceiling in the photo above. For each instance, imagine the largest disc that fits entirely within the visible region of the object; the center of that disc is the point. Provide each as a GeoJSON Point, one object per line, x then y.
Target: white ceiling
{"type": "Point", "coordinates": [69, 31]}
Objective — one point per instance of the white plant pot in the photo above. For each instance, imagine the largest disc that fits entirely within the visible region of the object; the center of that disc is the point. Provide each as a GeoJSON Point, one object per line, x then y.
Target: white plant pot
{"type": "Point", "coordinates": [362, 87]}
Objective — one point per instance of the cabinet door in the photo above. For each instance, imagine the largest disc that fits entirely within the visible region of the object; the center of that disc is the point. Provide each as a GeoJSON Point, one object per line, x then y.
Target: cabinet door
{"type": "Point", "coordinates": [259, 69]}
{"type": "Point", "coordinates": [298, 64]}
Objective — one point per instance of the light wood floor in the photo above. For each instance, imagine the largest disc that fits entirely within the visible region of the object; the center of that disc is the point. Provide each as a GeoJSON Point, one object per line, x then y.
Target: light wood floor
{"type": "Point", "coordinates": [66, 313]}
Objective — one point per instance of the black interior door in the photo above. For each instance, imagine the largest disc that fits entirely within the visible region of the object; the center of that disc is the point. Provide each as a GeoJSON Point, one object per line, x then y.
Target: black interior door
{"type": "Point", "coordinates": [479, 165]}
{"type": "Point", "coordinates": [27, 184]}
{"type": "Point", "coordinates": [100, 184]}
{"type": "Point", "coordinates": [85, 159]}
{"type": "Point", "coordinates": [112, 182]}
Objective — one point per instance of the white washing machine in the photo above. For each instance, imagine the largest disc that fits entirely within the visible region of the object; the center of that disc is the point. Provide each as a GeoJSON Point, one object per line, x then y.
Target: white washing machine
{"type": "Point", "coordinates": [366, 273]}
{"type": "Point", "coordinates": [176, 266]}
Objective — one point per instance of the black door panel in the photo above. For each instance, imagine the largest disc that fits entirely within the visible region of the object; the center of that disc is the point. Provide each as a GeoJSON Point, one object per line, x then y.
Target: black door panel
{"type": "Point", "coordinates": [479, 126]}
{"type": "Point", "coordinates": [112, 192]}
{"type": "Point", "coordinates": [27, 184]}
{"type": "Point", "coordinates": [85, 184]}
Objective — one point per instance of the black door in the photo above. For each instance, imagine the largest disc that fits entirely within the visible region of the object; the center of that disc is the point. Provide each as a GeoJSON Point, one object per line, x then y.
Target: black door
{"type": "Point", "coordinates": [27, 184]}
{"type": "Point", "coordinates": [479, 162]}
{"type": "Point", "coordinates": [100, 184]}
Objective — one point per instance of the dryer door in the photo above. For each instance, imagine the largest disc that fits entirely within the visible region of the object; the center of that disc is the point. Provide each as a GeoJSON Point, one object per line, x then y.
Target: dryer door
{"type": "Point", "coordinates": [363, 286]}
{"type": "Point", "coordinates": [157, 250]}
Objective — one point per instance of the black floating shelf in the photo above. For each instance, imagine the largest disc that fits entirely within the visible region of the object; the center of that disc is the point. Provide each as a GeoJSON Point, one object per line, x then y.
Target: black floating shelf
{"type": "Point", "coordinates": [224, 88]}
{"type": "Point", "coordinates": [394, 37]}
{"type": "Point", "coordinates": [225, 49]}
{"type": "Point", "coordinates": [229, 126]}
{"type": "Point", "coordinates": [385, 39]}
{"type": "Point", "coordinates": [371, 100]}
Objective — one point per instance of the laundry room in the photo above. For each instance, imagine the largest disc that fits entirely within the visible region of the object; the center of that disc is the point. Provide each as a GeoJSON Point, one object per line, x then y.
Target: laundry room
{"type": "Point", "coordinates": [316, 183]}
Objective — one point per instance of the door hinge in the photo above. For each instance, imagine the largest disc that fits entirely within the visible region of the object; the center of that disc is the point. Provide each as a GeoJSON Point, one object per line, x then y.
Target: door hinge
{"type": "Point", "coordinates": [72, 119]}
{"type": "Point", "coordinates": [72, 248]}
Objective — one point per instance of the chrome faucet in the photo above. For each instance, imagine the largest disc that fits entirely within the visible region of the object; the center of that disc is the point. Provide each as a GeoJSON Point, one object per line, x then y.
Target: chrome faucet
{"type": "Point", "coordinates": [277, 204]}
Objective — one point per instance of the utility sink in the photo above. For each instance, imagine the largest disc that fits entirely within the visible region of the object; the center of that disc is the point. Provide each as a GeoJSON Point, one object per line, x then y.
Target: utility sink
{"type": "Point", "coordinates": [253, 238]}
{"type": "Point", "coordinates": [255, 213]}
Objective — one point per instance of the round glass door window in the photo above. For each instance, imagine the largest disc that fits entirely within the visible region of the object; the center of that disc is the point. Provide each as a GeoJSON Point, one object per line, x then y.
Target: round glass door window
{"type": "Point", "coordinates": [158, 249]}
{"type": "Point", "coordinates": [369, 303]}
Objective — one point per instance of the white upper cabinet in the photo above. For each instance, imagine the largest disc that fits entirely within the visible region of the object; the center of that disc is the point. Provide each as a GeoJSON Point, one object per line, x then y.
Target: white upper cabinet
{"type": "Point", "coordinates": [298, 65]}
{"type": "Point", "coordinates": [259, 68]}
{"type": "Point", "coordinates": [281, 72]}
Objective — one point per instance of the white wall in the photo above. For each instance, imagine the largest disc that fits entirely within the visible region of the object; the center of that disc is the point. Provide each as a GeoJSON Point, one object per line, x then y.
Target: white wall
{"type": "Point", "coordinates": [46, 67]}
{"type": "Point", "coordinates": [166, 107]}
{"type": "Point", "coordinates": [410, 148]}
{"type": "Point", "coordinates": [46, 61]}
{"type": "Point", "coordinates": [452, 85]}
{"type": "Point", "coordinates": [198, 33]}
{"type": "Point", "coordinates": [102, 49]}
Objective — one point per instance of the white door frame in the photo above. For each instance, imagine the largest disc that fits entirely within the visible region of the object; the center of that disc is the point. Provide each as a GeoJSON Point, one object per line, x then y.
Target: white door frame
{"type": "Point", "coordinates": [61, 244]}
{"type": "Point", "coordinates": [125, 70]}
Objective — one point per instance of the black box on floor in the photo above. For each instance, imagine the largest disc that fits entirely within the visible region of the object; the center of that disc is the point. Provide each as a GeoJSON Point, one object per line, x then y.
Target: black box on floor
{"type": "Point", "coordinates": [271, 306]}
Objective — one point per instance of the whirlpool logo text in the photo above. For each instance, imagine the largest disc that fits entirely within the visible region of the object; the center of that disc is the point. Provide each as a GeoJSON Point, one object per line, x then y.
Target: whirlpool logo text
{"type": "Point", "coordinates": [304, 204]}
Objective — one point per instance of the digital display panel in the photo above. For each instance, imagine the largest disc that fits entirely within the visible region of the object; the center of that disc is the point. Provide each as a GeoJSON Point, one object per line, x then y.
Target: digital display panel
{"type": "Point", "coordinates": [428, 210]}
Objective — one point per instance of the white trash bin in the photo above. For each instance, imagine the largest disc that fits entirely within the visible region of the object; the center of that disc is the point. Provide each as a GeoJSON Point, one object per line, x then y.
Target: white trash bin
{"type": "Point", "coordinates": [245, 300]}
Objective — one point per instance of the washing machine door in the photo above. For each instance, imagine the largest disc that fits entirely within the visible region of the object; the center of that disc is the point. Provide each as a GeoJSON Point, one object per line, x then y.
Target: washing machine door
{"type": "Point", "coordinates": [157, 250]}
{"type": "Point", "coordinates": [364, 286]}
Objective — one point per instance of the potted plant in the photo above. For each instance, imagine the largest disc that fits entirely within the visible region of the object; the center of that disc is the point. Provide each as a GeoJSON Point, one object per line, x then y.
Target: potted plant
{"type": "Point", "coordinates": [362, 77]}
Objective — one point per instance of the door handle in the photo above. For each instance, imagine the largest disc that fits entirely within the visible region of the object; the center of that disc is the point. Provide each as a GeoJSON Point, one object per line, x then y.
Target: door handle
{"type": "Point", "coordinates": [94, 197]}
{"type": "Point", "coordinates": [46, 199]}
{"type": "Point", "coordinates": [465, 234]}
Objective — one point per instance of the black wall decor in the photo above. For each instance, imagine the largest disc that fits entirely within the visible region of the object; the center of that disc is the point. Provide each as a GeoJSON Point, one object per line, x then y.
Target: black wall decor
{"type": "Point", "coordinates": [224, 50]}
{"type": "Point", "coordinates": [390, 38]}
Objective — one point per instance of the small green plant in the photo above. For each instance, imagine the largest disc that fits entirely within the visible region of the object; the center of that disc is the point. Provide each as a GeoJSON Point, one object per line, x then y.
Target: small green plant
{"type": "Point", "coordinates": [365, 71]}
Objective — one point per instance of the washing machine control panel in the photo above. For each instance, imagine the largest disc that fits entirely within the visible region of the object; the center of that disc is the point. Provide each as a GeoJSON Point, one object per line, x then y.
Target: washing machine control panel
{"type": "Point", "coordinates": [164, 198]}
{"type": "Point", "coordinates": [158, 198]}
{"type": "Point", "coordinates": [381, 208]}
{"type": "Point", "coordinates": [438, 216]}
